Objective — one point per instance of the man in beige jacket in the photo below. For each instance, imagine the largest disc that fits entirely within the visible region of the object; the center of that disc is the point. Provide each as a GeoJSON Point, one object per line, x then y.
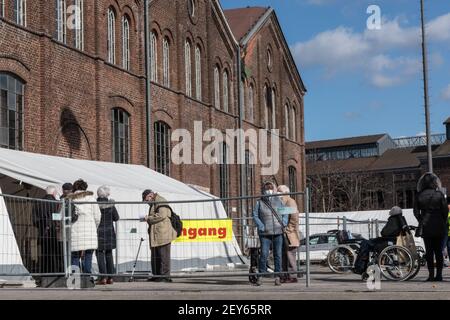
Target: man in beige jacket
{"type": "Point", "coordinates": [161, 235]}
{"type": "Point", "coordinates": [293, 234]}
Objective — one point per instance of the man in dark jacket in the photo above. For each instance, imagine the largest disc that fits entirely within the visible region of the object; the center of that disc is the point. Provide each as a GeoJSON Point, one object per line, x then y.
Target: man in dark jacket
{"type": "Point", "coordinates": [394, 226]}
{"type": "Point", "coordinates": [50, 256]}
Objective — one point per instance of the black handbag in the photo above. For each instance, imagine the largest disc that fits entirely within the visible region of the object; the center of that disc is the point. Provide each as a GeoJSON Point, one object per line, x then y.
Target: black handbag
{"type": "Point", "coordinates": [419, 230]}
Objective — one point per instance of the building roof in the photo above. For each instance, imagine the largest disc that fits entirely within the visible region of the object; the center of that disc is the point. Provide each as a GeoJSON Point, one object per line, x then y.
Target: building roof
{"type": "Point", "coordinates": [443, 150]}
{"type": "Point", "coordinates": [242, 20]}
{"type": "Point", "coordinates": [447, 121]}
{"type": "Point", "coordinates": [344, 142]}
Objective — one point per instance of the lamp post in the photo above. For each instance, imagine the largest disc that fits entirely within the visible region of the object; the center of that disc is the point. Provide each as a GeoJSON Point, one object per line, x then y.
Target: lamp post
{"type": "Point", "coordinates": [425, 88]}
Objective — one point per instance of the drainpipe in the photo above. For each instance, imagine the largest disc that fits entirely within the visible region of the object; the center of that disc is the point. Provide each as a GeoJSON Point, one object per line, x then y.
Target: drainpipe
{"type": "Point", "coordinates": [241, 145]}
{"type": "Point", "coordinates": [148, 106]}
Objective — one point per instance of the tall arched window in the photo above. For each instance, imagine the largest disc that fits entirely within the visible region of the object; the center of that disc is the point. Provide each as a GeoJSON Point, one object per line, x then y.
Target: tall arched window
{"type": "Point", "coordinates": [266, 106]}
{"type": "Point", "coordinates": [162, 148]}
{"type": "Point", "coordinates": [11, 112]}
{"type": "Point", "coordinates": [216, 87]}
{"type": "Point", "coordinates": [292, 179]}
{"type": "Point", "coordinates": [20, 12]}
{"type": "Point", "coordinates": [198, 74]}
{"type": "Point", "coordinates": [249, 179]}
{"type": "Point", "coordinates": [153, 57]}
{"type": "Point", "coordinates": [188, 68]}
{"type": "Point", "coordinates": [2, 8]}
{"type": "Point", "coordinates": [166, 62]}
{"type": "Point", "coordinates": [251, 103]}
{"type": "Point", "coordinates": [120, 128]}
{"type": "Point", "coordinates": [242, 89]}
{"type": "Point", "coordinates": [111, 36]}
{"type": "Point", "coordinates": [274, 120]}
{"type": "Point", "coordinates": [226, 97]}
{"type": "Point", "coordinates": [294, 124]}
{"type": "Point", "coordinates": [61, 16]}
{"type": "Point", "coordinates": [224, 173]}
{"type": "Point", "coordinates": [79, 24]}
{"type": "Point", "coordinates": [287, 115]}
{"type": "Point", "coordinates": [125, 43]}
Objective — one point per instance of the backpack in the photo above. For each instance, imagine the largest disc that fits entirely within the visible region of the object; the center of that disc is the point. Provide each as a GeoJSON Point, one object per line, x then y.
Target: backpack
{"type": "Point", "coordinates": [175, 220]}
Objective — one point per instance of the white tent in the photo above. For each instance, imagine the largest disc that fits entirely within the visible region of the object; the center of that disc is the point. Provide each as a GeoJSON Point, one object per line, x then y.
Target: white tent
{"type": "Point", "coordinates": [126, 183]}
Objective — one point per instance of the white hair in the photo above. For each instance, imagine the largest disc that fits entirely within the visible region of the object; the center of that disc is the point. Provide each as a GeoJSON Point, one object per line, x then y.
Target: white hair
{"type": "Point", "coordinates": [284, 189]}
{"type": "Point", "coordinates": [51, 190]}
{"type": "Point", "coordinates": [103, 192]}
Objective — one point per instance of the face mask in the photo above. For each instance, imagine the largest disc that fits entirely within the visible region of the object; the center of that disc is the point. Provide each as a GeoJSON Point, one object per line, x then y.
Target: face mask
{"type": "Point", "coordinates": [268, 192]}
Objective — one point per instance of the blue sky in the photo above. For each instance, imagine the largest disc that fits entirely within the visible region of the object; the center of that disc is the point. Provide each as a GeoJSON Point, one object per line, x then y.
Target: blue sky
{"type": "Point", "coordinates": [362, 81]}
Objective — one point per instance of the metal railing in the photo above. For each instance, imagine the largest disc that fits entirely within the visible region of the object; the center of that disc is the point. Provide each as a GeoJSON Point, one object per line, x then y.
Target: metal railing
{"type": "Point", "coordinates": [41, 238]}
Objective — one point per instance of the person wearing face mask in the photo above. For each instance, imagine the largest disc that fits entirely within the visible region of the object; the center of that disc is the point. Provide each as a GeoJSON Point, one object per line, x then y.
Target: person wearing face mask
{"type": "Point", "coordinates": [270, 229]}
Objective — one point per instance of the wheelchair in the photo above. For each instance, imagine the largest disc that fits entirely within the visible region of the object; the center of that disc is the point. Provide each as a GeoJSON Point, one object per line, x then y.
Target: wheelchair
{"type": "Point", "coordinates": [395, 262]}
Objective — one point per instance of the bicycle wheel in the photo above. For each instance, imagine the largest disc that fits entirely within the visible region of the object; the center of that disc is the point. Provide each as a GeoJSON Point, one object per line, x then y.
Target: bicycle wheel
{"type": "Point", "coordinates": [415, 270]}
{"type": "Point", "coordinates": [396, 263]}
{"type": "Point", "coordinates": [341, 259]}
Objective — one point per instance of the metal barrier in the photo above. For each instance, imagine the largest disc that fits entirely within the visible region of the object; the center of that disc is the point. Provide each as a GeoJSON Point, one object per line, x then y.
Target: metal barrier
{"type": "Point", "coordinates": [110, 239]}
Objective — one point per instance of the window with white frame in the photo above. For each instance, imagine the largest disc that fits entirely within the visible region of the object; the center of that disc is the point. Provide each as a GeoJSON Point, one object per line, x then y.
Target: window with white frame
{"type": "Point", "coordinates": [125, 43]}
{"type": "Point", "coordinates": [198, 74]}
{"type": "Point", "coordinates": [188, 68]}
{"type": "Point", "coordinates": [153, 57]}
{"type": "Point", "coordinates": [243, 98]}
{"type": "Point", "coordinates": [111, 36]}
{"type": "Point", "coordinates": [11, 111]}
{"type": "Point", "coordinates": [251, 103]}
{"type": "Point", "coordinates": [120, 129]}
{"type": "Point", "coordinates": [2, 8]}
{"type": "Point", "coordinates": [162, 147]}
{"type": "Point", "coordinates": [166, 62]}
{"type": "Point", "coordinates": [286, 120]}
{"type": "Point", "coordinates": [79, 24]}
{"type": "Point", "coordinates": [61, 33]}
{"type": "Point", "coordinates": [274, 120]}
{"type": "Point", "coordinates": [226, 98]}
{"type": "Point", "coordinates": [266, 107]}
{"type": "Point", "coordinates": [20, 12]}
{"type": "Point", "coordinates": [294, 124]}
{"type": "Point", "coordinates": [216, 87]}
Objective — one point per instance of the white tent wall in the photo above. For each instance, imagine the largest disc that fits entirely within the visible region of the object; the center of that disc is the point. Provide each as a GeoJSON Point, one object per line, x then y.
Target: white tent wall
{"type": "Point", "coordinates": [21, 170]}
{"type": "Point", "coordinates": [318, 219]}
{"type": "Point", "coordinates": [10, 258]}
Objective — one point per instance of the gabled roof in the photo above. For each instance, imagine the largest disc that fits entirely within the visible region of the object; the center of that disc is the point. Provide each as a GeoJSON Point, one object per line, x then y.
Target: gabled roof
{"type": "Point", "coordinates": [344, 142]}
{"type": "Point", "coordinates": [242, 20]}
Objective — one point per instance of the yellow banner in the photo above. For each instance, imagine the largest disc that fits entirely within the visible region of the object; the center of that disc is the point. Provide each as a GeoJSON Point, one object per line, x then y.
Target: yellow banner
{"type": "Point", "coordinates": [206, 231]}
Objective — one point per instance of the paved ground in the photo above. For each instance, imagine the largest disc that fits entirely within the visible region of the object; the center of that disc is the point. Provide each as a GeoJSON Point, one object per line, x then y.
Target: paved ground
{"type": "Point", "coordinates": [324, 285]}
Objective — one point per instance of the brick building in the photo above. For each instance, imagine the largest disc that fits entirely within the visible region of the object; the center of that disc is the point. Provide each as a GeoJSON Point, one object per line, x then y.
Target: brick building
{"type": "Point", "coordinates": [73, 83]}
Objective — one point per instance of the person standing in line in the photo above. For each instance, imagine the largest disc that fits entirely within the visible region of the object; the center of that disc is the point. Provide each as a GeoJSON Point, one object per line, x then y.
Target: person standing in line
{"type": "Point", "coordinates": [106, 235]}
{"type": "Point", "coordinates": [431, 211]}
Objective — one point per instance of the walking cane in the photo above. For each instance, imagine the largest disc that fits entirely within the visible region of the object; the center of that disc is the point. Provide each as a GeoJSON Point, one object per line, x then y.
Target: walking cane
{"type": "Point", "coordinates": [135, 261]}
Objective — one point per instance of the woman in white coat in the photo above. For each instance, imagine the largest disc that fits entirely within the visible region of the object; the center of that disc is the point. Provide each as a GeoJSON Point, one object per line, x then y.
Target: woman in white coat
{"type": "Point", "coordinates": [85, 221]}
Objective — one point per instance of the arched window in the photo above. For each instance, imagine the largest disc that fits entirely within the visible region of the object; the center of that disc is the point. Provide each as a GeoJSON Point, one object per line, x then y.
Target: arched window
{"type": "Point", "coordinates": [166, 62]}
{"type": "Point", "coordinates": [2, 8]}
{"type": "Point", "coordinates": [242, 84]}
{"type": "Point", "coordinates": [294, 124]}
{"type": "Point", "coordinates": [125, 43]}
{"type": "Point", "coordinates": [120, 128]}
{"type": "Point", "coordinates": [20, 12]}
{"type": "Point", "coordinates": [292, 179]}
{"type": "Point", "coordinates": [274, 120]}
{"type": "Point", "coordinates": [188, 68]}
{"type": "Point", "coordinates": [224, 173]}
{"type": "Point", "coordinates": [226, 98]}
{"type": "Point", "coordinates": [216, 87]}
{"type": "Point", "coordinates": [267, 101]}
{"type": "Point", "coordinates": [11, 112]}
{"type": "Point", "coordinates": [251, 103]}
{"type": "Point", "coordinates": [61, 16]}
{"type": "Point", "coordinates": [79, 24]}
{"type": "Point", "coordinates": [111, 36]}
{"type": "Point", "coordinates": [198, 74]}
{"type": "Point", "coordinates": [287, 115]}
{"type": "Point", "coordinates": [162, 148]}
{"type": "Point", "coordinates": [153, 57]}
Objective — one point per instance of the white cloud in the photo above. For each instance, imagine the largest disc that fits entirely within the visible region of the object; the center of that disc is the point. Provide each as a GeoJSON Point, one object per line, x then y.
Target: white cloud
{"type": "Point", "coordinates": [372, 51]}
{"type": "Point", "coordinates": [445, 94]}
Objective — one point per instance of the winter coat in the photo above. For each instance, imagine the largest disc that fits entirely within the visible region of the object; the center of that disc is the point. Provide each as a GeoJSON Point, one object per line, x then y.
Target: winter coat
{"type": "Point", "coordinates": [160, 228]}
{"type": "Point", "coordinates": [84, 229]}
{"type": "Point", "coordinates": [292, 230]}
{"type": "Point", "coordinates": [393, 227]}
{"type": "Point", "coordinates": [106, 233]}
{"type": "Point", "coordinates": [431, 210]}
{"type": "Point", "coordinates": [265, 220]}
{"type": "Point", "coordinates": [43, 220]}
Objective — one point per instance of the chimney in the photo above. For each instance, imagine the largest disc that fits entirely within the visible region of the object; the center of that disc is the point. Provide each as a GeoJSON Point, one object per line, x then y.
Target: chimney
{"type": "Point", "coordinates": [447, 126]}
